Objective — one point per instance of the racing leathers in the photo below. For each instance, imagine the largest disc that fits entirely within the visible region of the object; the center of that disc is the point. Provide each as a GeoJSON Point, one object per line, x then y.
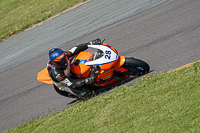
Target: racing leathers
{"type": "Point", "coordinates": [62, 78]}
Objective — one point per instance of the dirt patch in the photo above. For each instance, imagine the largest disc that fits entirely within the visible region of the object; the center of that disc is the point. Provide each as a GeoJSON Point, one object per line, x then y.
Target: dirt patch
{"type": "Point", "coordinates": [187, 65]}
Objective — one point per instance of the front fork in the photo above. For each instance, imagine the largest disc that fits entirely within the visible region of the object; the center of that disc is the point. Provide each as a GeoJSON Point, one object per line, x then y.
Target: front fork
{"type": "Point", "coordinates": [122, 68]}
{"type": "Point", "coordinates": [120, 72]}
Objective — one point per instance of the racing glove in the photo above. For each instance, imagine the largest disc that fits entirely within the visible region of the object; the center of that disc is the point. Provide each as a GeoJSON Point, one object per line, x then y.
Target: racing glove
{"type": "Point", "coordinates": [95, 42]}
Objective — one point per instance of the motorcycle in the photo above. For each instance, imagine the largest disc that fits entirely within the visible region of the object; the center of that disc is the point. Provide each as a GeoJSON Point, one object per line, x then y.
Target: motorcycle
{"type": "Point", "coordinates": [112, 68]}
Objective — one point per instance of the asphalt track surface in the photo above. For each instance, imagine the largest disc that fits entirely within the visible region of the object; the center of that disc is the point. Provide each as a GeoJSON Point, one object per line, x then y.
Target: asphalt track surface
{"type": "Point", "coordinates": [166, 36]}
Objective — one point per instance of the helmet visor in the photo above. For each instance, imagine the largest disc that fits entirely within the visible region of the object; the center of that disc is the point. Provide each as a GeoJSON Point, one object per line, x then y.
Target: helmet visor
{"type": "Point", "coordinates": [61, 61]}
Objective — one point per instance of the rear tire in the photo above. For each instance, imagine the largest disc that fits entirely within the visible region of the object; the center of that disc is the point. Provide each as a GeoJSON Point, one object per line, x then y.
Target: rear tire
{"type": "Point", "coordinates": [63, 93]}
{"type": "Point", "coordinates": [136, 66]}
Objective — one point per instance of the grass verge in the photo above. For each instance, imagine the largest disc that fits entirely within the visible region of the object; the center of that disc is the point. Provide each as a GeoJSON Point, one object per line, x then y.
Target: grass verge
{"type": "Point", "coordinates": [17, 15]}
{"type": "Point", "coordinates": [167, 102]}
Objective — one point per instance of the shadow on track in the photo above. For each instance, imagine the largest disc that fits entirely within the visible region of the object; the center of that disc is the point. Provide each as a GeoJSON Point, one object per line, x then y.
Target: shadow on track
{"type": "Point", "coordinates": [99, 91]}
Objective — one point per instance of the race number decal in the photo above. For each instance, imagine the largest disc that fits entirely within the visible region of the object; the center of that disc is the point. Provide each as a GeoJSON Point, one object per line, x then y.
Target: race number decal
{"type": "Point", "coordinates": [108, 54]}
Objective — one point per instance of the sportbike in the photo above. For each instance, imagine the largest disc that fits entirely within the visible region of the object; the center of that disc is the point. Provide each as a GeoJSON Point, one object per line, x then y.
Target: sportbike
{"type": "Point", "coordinates": [112, 68]}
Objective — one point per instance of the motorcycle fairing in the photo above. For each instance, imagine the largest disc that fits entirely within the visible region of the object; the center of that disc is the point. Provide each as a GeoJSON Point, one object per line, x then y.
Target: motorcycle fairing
{"type": "Point", "coordinates": [81, 68]}
{"type": "Point", "coordinates": [43, 76]}
{"type": "Point", "coordinates": [111, 61]}
{"type": "Point", "coordinates": [108, 55]}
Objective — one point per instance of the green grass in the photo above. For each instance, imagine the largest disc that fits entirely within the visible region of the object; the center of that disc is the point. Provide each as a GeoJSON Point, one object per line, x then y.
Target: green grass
{"type": "Point", "coordinates": [167, 102]}
{"type": "Point", "coordinates": [17, 15]}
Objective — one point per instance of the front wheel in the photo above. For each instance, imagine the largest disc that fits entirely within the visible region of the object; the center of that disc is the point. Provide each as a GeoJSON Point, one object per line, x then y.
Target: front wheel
{"type": "Point", "coordinates": [136, 67]}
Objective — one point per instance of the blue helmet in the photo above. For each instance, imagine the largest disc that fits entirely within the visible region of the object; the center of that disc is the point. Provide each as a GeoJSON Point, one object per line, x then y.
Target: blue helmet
{"type": "Point", "coordinates": [58, 58]}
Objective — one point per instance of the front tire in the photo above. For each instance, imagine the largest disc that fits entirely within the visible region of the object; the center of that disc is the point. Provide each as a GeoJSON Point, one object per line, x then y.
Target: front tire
{"type": "Point", "coordinates": [136, 66]}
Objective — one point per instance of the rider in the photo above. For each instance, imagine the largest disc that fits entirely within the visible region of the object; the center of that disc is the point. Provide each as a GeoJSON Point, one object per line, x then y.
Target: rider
{"type": "Point", "coordinates": [59, 70]}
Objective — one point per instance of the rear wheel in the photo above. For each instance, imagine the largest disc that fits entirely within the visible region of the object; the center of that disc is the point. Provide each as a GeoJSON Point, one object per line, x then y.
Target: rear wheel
{"type": "Point", "coordinates": [136, 67]}
{"type": "Point", "coordinates": [63, 93]}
